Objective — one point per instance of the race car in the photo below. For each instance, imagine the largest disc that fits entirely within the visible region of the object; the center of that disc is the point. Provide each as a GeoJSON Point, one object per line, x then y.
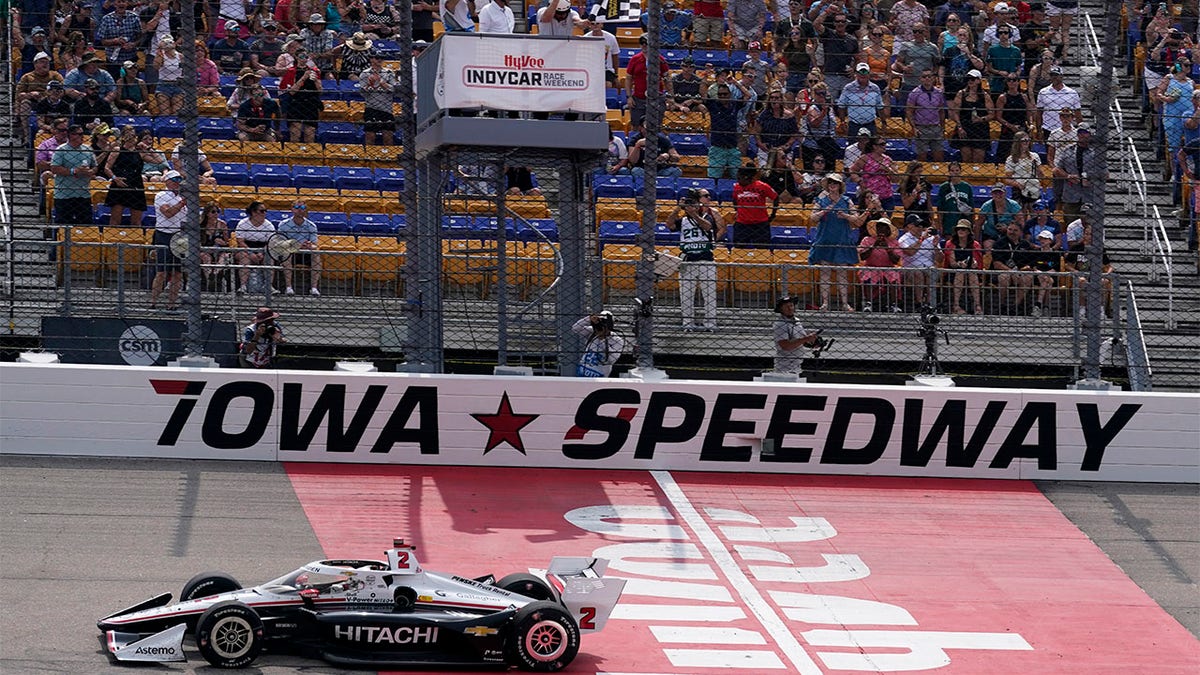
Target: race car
{"type": "Point", "coordinates": [376, 614]}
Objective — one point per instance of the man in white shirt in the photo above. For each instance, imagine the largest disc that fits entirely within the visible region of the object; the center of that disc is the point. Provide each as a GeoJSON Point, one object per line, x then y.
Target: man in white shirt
{"type": "Point", "coordinates": [170, 209]}
{"type": "Point", "coordinates": [1054, 98]}
{"type": "Point", "coordinates": [918, 246]}
{"type": "Point", "coordinates": [558, 18]}
{"type": "Point", "coordinates": [1004, 15]}
{"type": "Point", "coordinates": [496, 17]}
{"type": "Point", "coordinates": [456, 16]}
{"type": "Point", "coordinates": [612, 50]}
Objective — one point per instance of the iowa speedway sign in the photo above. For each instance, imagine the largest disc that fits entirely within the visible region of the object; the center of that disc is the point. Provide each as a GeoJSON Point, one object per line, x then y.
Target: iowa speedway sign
{"type": "Point", "coordinates": [611, 424]}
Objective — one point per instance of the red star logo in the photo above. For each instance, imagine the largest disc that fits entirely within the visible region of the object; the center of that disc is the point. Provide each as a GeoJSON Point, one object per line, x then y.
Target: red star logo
{"type": "Point", "coordinates": [505, 426]}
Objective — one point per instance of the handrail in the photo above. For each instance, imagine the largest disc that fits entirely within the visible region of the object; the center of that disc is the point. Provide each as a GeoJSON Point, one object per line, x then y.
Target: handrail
{"type": "Point", "coordinates": [1137, 357]}
{"type": "Point", "coordinates": [1162, 244]}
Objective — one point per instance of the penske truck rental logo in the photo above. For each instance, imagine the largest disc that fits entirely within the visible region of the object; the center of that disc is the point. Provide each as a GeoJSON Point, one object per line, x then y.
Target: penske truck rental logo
{"type": "Point", "coordinates": [854, 428]}
{"type": "Point", "coordinates": [524, 72]}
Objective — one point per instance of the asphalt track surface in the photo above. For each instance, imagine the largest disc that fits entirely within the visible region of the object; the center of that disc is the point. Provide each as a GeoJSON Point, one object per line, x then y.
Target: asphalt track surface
{"type": "Point", "coordinates": [80, 538]}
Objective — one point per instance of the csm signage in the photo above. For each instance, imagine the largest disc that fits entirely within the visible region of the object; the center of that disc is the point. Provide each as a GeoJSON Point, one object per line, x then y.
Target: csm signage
{"type": "Point", "coordinates": [521, 73]}
{"type": "Point", "coordinates": [130, 342]}
{"type": "Point", "coordinates": [611, 424]}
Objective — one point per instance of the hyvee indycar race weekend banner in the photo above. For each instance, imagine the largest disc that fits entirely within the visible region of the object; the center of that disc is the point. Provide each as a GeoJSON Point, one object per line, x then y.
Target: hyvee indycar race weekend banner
{"type": "Point", "coordinates": [597, 424]}
{"type": "Point", "coordinates": [521, 74]}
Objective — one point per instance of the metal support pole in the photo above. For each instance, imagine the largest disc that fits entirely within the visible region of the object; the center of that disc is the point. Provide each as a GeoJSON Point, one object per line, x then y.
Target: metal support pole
{"type": "Point", "coordinates": [1097, 190]}
{"type": "Point", "coordinates": [189, 153]}
{"type": "Point", "coordinates": [644, 284]}
{"type": "Point", "coordinates": [572, 299]}
{"type": "Point", "coordinates": [422, 267]}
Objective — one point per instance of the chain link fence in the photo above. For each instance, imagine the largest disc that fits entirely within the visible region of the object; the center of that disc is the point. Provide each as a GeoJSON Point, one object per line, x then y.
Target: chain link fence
{"type": "Point", "coordinates": [473, 256]}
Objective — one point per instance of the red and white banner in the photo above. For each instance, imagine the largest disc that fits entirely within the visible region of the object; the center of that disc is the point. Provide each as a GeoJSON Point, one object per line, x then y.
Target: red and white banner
{"type": "Point", "coordinates": [506, 73]}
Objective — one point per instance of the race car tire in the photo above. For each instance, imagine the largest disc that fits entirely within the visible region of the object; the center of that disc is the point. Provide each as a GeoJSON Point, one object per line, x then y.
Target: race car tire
{"type": "Point", "coordinates": [545, 638]}
{"type": "Point", "coordinates": [229, 635]}
{"type": "Point", "coordinates": [404, 598]}
{"type": "Point", "coordinates": [527, 585]}
{"type": "Point", "coordinates": [208, 583]}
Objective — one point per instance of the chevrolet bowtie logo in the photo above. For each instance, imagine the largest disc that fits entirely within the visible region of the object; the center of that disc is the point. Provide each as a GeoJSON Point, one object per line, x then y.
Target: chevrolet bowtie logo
{"type": "Point", "coordinates": [480, 631]}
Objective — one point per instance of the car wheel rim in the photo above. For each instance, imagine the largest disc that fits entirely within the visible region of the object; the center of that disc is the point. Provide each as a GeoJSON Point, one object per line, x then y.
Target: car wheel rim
{"type": "Point", "coordinates": [231, 638]}
{"type": "Point", "coordinates": [546, 641]}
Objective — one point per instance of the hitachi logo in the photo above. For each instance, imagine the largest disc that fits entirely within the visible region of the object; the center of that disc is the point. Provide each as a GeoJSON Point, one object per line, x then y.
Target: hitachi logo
{"type": "Point", "coordinates": [401, 635]}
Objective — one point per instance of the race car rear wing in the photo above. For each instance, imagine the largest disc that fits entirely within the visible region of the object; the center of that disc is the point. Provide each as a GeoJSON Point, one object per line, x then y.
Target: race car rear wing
{"type": "Point", "coordinates": [585, 592]}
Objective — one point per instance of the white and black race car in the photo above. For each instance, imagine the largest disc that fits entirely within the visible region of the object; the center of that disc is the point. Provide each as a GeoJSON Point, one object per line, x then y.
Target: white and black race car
{"type": "Point", "coordinates": [373, 614]}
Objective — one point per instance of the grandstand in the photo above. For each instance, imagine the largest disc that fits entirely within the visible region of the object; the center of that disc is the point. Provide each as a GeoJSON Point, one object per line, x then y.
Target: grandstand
{"type": "Point", "coordinates": [353, 191]}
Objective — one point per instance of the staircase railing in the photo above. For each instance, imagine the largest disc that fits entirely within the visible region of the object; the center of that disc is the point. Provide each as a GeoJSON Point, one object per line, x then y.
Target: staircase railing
{"type": "Point", "coordinates": [1137, 358]}
{"type": "Point", "coordinates": [1161, 262]}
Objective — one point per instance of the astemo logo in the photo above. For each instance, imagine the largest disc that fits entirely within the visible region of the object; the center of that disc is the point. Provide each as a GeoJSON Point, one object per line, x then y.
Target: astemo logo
{"type": "Point", "coordinates": [139, 346]}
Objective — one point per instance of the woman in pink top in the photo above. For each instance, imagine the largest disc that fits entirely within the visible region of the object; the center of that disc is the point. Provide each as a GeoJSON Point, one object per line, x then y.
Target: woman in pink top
{"type": "Point", "coordinates": [875, 173]}
{"type": "Point", "coordinates": [880, 251]}
{"type": "Point", "coordinates": [208, 78]}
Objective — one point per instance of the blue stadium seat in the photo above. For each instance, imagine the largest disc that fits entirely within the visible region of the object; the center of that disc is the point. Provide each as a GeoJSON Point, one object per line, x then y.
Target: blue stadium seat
{"type": "Point", "coordinates": [353, 178]}
{"type": "Point", "coordinates": [697, 184]}
{"type": "Point", "coordinates": [666, 188]}
{"type": "Point", "coordinates": [270, 83]}
{"type": "Point", "coordinates": [618, 231]}
{"type": "Point", "coordinates": [674, 57]}
{"type": "Point", "coordinates": [484, 227]}
{"type": "Point", "coordinates": [330, 222]}
{"type": "Point", "coordinates": [615, 186]}
{"type": "Point", "coordinates": [232, 217]}
{"type": "Point", "coordinates": [168, 127]}
{"type": "Point", "coordinates": [348, 90]}
{"type": "Point", "coordinates": [690, 144]}
{"type": "Point", "coordinates": [230, 173]}
{"type": "Point", "coordinates": [529, 232]}
{"type": "Point", "coordinates": [219, 128]}
{"type": "Point", "coordinates": [400, 222]}
{"type": "Point", "coordinates": [141, 122]}
{"type": "Point", "coordinates": [387, 48]}
{"type": "Point", "coordinates": [725, 189]}
{"type": "Point", "coordinates": [371, 223]}
{"type": "Point", "coordinates": [614, 99]}
{"type": "Point", "coordinates": [389, 180]}
{"type": "Point", "coordinates": [278, 216]}
{"type": "Point", "coordinates": [458, 227]}
{"type": "Point", "coordinates": [272, 175]}
{"type": "Point", "coordinates": [790, 237]}
{"type": "Point", "coordinates": [339, 132]}
{"type": "Point", "coordinates": [980, 194]}
{"type": "Point", "coordinates": [711, 59]}
{"type": "Point", "coordinates": [227, 80]}
{"type": "Point", "coordinates": [624, 55]}
{"type": "Point", "coordinates": [312, 176]}
{"type": "Point", "coordinates": [900, 150]}
{"type": "Point", "coordinates": [663, 236]}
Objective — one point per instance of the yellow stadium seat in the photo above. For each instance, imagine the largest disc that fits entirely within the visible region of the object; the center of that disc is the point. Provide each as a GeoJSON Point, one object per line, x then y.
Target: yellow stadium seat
{"type": "Point", "coordinates": [618, 120]}
{"type": "Point", "coordinates": [380, 259]}
{"type": "Point", "coordinates": [219, 150]}
{"type": "Point", "coordinates": [212, 106]}
{"type": "Point", "coordinates": [339, 256]}
{"type": "Point", "coordinates": [335, 111]}
{"type": "Point", "coordinates": [229, 196]}
{"type": "Point", "coordinates": [795, 275]}
{"type": "Point", "coordinates": [532, 206]}
{"type": "Point", "coordinates": [86, 252]}
{"type": "Point", "coordinates": [263, 152]}
{"type": "Point", "coordinates": [617, 208]}
{"type": "Point", "coordinates": [125, 248]}
{"type": "Point", "coordinates": [323, 199]}
{"type": "Point", "coordinates": [671, 283]}
{"type": "Point", "coordinates": [695, 122]}
{"type": "Point", "coordinates": [540, 267]}
{"type": "Point", "coordinates": [468, 263]}
{"type": "Point", "coordinates": [694, 166]}
{"type": "Point", "coordinates": [620, 267]}
{"type": "Point", "coordinates": [366, 201]}
{"type": "Point", "coordinates": [383, 156]}
{"type": "Point", "coordinates": [278, 199]}
{"type": "Point", "coordinates": [792, 215]}
{"type": "Point", "coordinates": [311, 154]}
{"type": "Point", "coordinates": [472, 205]}
{"type": "Point", "coordinates": [345, 154]}
{"type": "Point", "coordinates": [751, 272]}
{"type": "Point", "coordinates": [99, 190]}
{"type": "Point", "coordinates": [627, 36]}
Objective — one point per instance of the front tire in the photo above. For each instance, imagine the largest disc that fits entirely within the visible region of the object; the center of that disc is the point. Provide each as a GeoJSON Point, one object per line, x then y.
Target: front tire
{"type": "Point", "coordinates": [229, 635]}
{"type": "Point", "coordinates": [527, 585]}
{"type": "Point", "coordinates": [545, 638]}
{"type": "Point", "coordinates": [208, 583]}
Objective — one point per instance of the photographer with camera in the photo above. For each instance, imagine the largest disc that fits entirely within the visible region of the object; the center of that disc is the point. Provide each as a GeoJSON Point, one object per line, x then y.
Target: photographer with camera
{"type": "Point", "coordinates": [260, 340]}
{"type": "Point", "coordinates": [699, 227]}
{"type": "Point", "coordinates": [603, 347]}
{"type": "Point", "coordinates": [791, 338]}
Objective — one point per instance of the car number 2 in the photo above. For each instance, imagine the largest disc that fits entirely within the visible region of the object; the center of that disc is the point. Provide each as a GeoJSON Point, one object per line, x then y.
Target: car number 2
{"type": "Point", "coordinates": [587, 618]}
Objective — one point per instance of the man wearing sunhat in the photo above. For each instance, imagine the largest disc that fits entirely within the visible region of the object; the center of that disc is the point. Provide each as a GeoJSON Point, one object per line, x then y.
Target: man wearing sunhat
{"type": "Point", "coordinates": [261, 339]}
{"type": "Point", "coordinates": [322, 43]}
{"type": "Point", "coordinates": [790, 337]}
{"type": "Point", "coordinates": [171, 209]}
{"type": "Point", "coordinates": [89, 69]}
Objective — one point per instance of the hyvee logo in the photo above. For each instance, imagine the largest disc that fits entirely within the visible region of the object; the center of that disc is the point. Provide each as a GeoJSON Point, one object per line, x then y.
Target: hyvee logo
{"type": "Point", "coordinates": [139, 346]}
{"type": "Point", "coordinates": [523, 61]}
{"type": "Point", "coordinates": [328, 411]}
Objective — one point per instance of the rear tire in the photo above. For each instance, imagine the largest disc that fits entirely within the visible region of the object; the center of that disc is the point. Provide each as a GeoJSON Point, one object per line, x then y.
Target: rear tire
{"type": "Point", "coordinates": [545, 638]}
{"type": "Point", "coordinates": [229, 635]}
{"type": "Point", "coordinates": [527, 585]}
{"type": "Point", "coordinates": [208, 583]}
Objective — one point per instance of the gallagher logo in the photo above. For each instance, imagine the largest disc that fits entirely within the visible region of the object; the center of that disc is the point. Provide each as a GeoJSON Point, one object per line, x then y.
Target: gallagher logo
{"type": "Point", "coordinates": [619, 421]}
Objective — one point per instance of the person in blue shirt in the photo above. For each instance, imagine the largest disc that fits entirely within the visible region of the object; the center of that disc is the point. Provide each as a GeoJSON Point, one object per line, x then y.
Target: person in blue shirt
{"type": "Point", "coordinates": [671, 26]}
{"type": "Point", "coordinates": [835, 241]}
{"type": "Point", "coordinates": [995, 215]}
{"type": "Point", "coordinates": [304, 231]}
